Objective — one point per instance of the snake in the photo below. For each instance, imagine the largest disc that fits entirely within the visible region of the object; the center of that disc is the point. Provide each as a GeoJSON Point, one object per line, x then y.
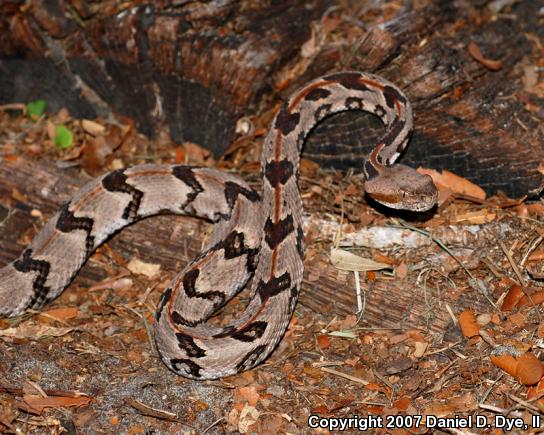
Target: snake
{"type": "Point", "coordinates": [257, 240]}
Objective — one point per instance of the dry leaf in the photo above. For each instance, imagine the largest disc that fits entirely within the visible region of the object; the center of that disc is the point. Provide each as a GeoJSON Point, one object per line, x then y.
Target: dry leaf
{"type": "Point", "coordinates": [468, 324]}
{"type": "Point", "coordinates": [345, 260]}
{"type": "Point", "coordinates": [34, 332]}
{"type": "Point", "coordinates": [415, 335]}
{"type": "Point", "coordinates": [249, 394]}
{"type": "Point", "coordinates": [148, 269]}
{"type": "Point", "coordinates": [537, 391]}
{"type": "Point", "coordinates": [537, 255]}
{"type": "Point", "coordinates": [512, 297]}
{"type": "Point", "coordinates": [61, 313]}
{"type": "Point", "coordinates": [180, 155]}
{"type": "Point", "coordinates": [63, 115]}
{"type": "Point", "coordinates": [51, 132]}
{"type": "Point", "coordinates": [272, 424]}
{"type": "Point", "coordinates": [145, 409]}
{"type": "Point", "coordinates": [455, 183]}
{"type": "Point", "coordinates": [477, 217]}
{"type": "Point", "coordinates": [506, 362]}
{"type": "Point", "coordinates": [308, 167]}
{"type": "Point", "coordinates": [474, 50]}
{"type": "Point", "coordinates": [95, 154]}
{"type": "Point", "coordinates": [402, 404]}
{"type": "Point", "coordinates": [196, 153]}
{"type": "Point", "coordinates": [93, 128]}
{"type": "Point", "coordinates": [529, 370]}
{"type": "Point", "coordinates": [420, 349]}
{"type": "Point", "coordinates": [323, 341]}
{"type": "Point", "coordinates": [233, 418]}
{"type": "Point", "coordinates": [401, 271]}
{"type": "Point", "coordinates": [36, 404]}
{"type": "Point", "coordinates": [248, 416]}
{"type": "Point", "coordinates": [384, 259]}
{"type": "Point", "coordinates": [536, 209]}
{"type": "Point", "coordinates": [534, 299]}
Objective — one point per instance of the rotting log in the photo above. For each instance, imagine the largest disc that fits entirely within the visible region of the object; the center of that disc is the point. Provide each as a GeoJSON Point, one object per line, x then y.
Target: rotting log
{"type": "Point", "coordinates": [196, 68]}
{"type": "Point", "coordinates": [193, 68]}
{"type": "Point", "coordinates": [480, 123]}
{"type": "Point", "coordinates": [173, 242]}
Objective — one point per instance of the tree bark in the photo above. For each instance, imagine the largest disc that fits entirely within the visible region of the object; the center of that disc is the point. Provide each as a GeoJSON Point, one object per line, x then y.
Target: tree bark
{"type": "Point", "coordinates": [194, 69]}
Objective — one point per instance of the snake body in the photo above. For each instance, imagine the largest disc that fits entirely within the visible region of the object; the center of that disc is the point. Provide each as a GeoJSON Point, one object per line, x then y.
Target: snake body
{"type": "Point", "coordinates": [254, 235]}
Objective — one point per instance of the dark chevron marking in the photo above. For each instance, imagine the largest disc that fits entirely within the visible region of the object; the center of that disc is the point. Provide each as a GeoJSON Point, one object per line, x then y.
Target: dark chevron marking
{"type": "Point", "coordinates": [179, 320]}
{"type": "Point", "coordinates": [322, 112]}
{"type": "Point", "coordinates": [370, 171]}
{"type": "Point", "coordinates": [278, 172]}
{"type": "Point", "coordinates": [67, 222]}
{"type": "Point", "coordinates": [317, 94]}
{"type": "Point", "coordinates": [116, 181]}
{"type": "Point", "coordinates": [391, 95]}
{"type": "Point", "coordinates": [233, 190]}
{"type": "Point", "coordinates": [273, 287]}
{"type": "Point", "coordinates": [186, 174]}
{"type": "Point", "coordinates": [276, 232]}
{"type": "Point", "coordinates": [187, 343]}
{"type": "Point", "coordinates": [286, 122]}
{"type": "Point", "coordinates": [393, 132]}
{"type": "Point", "coordinates": [247, 334]}
{"type": "Point", "coordinates": [165, 298]}
{"type": "Point", "coordinates": [189, 285]}
{"type": "Point", "coordinates": [300, 242]}
{"type": "Point", "coordinates": [189, 282]}
{"type": "Point", "coordinates": [234, 246]}
{"type": "Point", "coordinates": [250, 332]}
{"type": "Point", "coordinates": [190, 366]}
{"type": "Point", "coordinates": [251, 358]}
{"type": "Point", "coordinates": [354, 103]}
{"type": "Point", "coordinates": [25, 263]}
{"type": "Point", "coordinates": [348, 81]}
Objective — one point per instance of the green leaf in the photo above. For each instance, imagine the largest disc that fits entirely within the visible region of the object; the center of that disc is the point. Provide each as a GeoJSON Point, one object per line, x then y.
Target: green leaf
{"type": "Point", "coordinates": [63, 137]}
{"type": "Point", "coordinates": [35, 109]}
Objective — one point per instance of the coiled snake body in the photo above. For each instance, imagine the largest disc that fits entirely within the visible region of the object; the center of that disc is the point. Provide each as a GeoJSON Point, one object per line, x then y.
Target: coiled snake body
{"type": "Point", "coordinates": [253, 235]}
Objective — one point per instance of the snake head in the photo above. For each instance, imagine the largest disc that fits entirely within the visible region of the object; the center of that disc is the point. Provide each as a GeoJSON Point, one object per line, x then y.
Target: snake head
{"type": "Point", "coordinates": [402, 187]}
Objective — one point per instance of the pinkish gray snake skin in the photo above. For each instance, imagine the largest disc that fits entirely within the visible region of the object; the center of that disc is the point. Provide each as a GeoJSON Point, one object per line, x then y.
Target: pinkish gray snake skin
{"type": "Point", "coordinates": [254, 234]}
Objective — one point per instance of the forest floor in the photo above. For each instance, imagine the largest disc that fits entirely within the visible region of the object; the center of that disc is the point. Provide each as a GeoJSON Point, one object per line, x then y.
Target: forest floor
{"type": "Point", "coordinates": [87, 363]}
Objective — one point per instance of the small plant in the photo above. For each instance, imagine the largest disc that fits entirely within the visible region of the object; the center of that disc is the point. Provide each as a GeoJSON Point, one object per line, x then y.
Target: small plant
{"type": "Point", "coordinates": [63, 137]}
{"type": "Point", "coordinates": [35, 109]}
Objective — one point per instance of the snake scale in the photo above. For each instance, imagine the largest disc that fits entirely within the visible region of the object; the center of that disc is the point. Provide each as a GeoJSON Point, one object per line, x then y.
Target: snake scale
{"type": "Point", "coordinates": [255, 235]}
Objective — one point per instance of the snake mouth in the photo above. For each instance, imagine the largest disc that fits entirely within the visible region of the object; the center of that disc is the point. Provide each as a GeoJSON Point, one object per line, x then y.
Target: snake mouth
{"type": "Point", "coordinates": [391, 200]}
{"type": "Point", "coordinates": [406, 200]}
